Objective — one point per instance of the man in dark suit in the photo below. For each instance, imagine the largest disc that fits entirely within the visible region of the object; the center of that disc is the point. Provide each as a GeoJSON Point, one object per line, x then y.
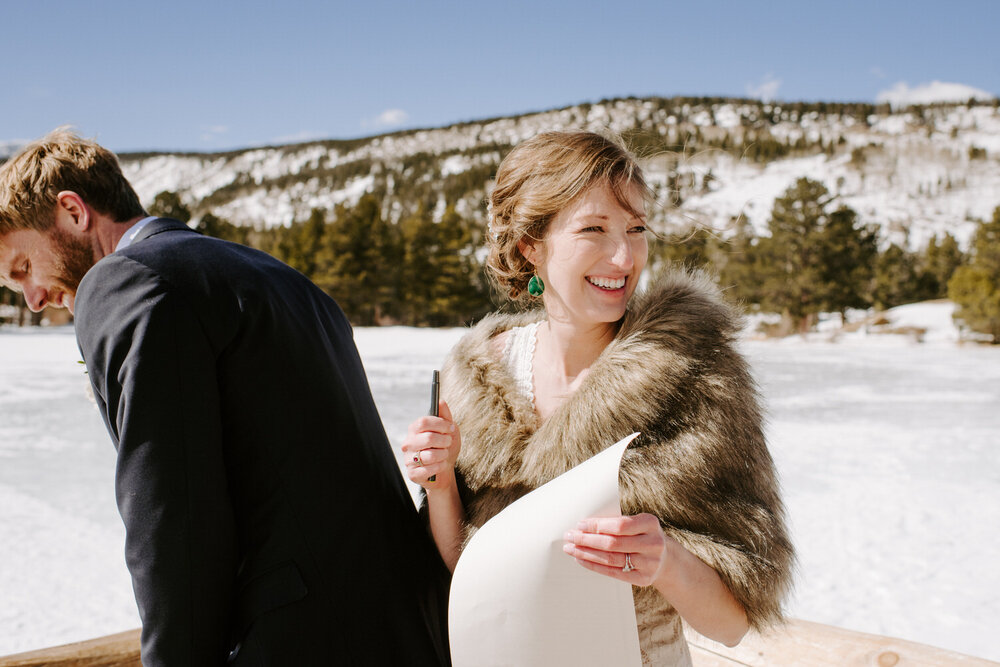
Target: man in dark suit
{"type": "Point", "coordinates": [267, 521]}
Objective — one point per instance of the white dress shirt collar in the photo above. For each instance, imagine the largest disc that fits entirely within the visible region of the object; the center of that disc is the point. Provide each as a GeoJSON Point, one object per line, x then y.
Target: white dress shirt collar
{"type": "Point", "coordinates": [129, 236]}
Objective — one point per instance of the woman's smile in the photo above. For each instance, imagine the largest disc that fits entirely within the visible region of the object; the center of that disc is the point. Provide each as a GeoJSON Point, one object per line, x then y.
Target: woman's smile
{"type": "Point", "coordinates": [591, 257]}
{"type": "Point", "coordinates": [607, 284]}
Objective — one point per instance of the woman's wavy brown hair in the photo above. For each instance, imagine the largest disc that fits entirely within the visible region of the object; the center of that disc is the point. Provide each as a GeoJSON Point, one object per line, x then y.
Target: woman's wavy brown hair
{"type": "Point", "coordinates": [540, 178]}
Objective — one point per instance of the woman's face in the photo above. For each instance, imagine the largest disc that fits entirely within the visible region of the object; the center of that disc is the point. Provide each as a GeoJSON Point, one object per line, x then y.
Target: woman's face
{"type": "Point", "coordinates": [591, 257]}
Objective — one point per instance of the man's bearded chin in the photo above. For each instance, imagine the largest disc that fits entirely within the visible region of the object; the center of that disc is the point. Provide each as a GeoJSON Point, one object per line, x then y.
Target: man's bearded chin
{"type": "Point", "coordinates": [74, 258]}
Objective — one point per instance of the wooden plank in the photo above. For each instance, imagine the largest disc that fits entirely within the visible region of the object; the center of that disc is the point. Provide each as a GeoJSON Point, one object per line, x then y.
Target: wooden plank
{"type": "Point", "coordinates": [799, 643]}
{"type": "Point", "coordinates": [120, 650]}
{"type": "Point", "coordinates": [806, 644]}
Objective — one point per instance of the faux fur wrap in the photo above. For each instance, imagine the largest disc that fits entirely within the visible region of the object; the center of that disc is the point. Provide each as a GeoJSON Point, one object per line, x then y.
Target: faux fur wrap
{"type": "Point", "coordinates": [700, 464]}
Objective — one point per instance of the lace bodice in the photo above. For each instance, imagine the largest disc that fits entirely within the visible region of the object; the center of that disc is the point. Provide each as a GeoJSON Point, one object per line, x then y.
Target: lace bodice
{"type": "Point", "coordinates": [519, 357]}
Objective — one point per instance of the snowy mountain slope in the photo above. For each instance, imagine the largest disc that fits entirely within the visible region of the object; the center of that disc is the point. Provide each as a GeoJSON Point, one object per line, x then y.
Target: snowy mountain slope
{"type": "Point", "coordinates": [916, 172]}
{"type": "Point", "coordinates": [9, 148]}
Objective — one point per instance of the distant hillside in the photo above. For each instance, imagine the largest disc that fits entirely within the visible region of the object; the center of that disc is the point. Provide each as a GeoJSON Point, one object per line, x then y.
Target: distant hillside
{"type": "Point", "coordinates": [915, 172]}
{"type": "Point", "coordinates": [9, 148]}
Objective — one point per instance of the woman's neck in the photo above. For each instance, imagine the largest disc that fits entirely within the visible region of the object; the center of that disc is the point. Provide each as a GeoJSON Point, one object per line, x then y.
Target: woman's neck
{"type": "Point", "coordinates": [564, 354]}
{"type": "Point", "coordinates": [566, 350]}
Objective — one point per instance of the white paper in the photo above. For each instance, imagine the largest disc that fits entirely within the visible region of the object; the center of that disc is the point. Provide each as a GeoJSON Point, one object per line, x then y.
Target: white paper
{"type": "Point", "coordinates": [517, 599]}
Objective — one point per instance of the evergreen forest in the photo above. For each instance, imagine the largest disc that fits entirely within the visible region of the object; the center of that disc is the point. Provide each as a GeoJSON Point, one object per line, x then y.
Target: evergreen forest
{"type": "Point", "coordinates": [392, 226]}
{"type": "Point", "coordinates": [817, 258]}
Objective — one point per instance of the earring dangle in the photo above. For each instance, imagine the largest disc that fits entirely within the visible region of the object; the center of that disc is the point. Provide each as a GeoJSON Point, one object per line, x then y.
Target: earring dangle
{"type": "Point", "coordinates": [535, 286]}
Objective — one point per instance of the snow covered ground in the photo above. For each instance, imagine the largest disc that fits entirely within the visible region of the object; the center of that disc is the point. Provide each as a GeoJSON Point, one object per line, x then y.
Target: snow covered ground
{"type": "Point", "coordinates": [887, 450]}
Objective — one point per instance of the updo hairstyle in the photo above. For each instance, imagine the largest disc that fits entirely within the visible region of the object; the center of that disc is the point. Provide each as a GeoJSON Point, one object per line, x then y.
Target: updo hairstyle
{"type": "Point", "coordinates": [540, 178]}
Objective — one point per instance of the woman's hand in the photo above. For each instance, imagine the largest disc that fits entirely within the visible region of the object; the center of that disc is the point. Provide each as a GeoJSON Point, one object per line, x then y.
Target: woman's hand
{"type": "Point", "coordinates": [629, 548]}
{"type": "Point", "coordinates": [431, 447]}
{"type": "Point", "coordinates": [635, 549]}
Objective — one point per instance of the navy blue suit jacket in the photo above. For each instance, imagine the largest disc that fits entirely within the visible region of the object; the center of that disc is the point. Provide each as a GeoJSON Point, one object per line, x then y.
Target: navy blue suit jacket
{"type": "Point", "coordinates": [267, 521]}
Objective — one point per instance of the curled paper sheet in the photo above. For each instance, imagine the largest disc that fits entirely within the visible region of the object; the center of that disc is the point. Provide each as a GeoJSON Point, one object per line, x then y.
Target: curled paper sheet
{"type": "Point", "coordinates": [517, 599]}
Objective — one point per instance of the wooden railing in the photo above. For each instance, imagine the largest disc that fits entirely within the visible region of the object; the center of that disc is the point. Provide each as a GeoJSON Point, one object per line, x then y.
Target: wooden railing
{"type": "Point", "coordinates": [121, 650]}
{"type": "Point", "coordinates": [805, 644]}
{"type": "Point", "coordinates": [799, 644]}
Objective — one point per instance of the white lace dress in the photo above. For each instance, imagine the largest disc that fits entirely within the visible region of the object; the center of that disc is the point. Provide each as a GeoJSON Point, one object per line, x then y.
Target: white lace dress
{"type": "Point", "coordinates": [660, 639]}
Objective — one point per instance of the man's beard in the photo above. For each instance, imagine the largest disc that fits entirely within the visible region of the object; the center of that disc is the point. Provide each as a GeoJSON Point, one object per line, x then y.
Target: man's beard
{"type": "Point", "coordinates": [74, 257]}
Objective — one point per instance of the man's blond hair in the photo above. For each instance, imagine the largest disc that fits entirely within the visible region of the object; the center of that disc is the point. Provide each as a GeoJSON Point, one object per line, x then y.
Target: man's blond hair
{"type": "Point", "coordinates": [31, 180]}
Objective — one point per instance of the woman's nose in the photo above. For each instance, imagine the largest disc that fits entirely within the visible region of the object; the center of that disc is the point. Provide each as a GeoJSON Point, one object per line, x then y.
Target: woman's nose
{"type": "Point", "coordinates": [622, 256]}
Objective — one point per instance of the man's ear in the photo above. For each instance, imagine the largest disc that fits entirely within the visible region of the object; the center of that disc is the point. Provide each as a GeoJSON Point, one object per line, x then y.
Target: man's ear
{"type": "Point", "coordinates": [74, 209]}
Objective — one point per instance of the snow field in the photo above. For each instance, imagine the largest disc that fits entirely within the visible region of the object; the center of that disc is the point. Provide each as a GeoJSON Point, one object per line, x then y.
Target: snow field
{"type": "Point", "coordinates": [887, 452]}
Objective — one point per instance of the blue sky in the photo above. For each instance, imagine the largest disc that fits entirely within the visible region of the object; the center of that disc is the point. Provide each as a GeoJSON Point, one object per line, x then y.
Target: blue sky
{"type": "Point", "coordinates": [214, 75]}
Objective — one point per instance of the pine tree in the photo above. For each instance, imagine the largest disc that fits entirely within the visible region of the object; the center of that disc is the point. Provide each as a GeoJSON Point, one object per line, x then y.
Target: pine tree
{"type": "Point", "coordinates": [359, 263]}
{"type": "Point", "coordinates": [457, 296]}
{"type": "Point", "coordinates": [738, 263]}
{"type": "Point", "coordinates": [216, 227]}
{"type": "Point", "coordinates": [307, 239]}
{"type": "Point", "coordinates": [442, 285]}
{"type": "Point", "coordinates": [847, 256]}
{"type": "Point", "coordinates": [420, 246]}
{"type": "Point", "coordinates": [940, 261]}
{"type": "Point", "coordinates": [692, 250]}
{"type": "Point", "coordinates": [790, 260]}
{"type": "Point", "coordinates": [975, 288]}
{"type": "Point", "coordinates": [168, 204]}
{"type": "Point", "coordinates": [896, 278]}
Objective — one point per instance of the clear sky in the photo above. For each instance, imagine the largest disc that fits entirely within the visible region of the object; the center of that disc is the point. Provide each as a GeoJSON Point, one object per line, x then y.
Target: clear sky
{"type": "Point", "coordinates": [211, 75]}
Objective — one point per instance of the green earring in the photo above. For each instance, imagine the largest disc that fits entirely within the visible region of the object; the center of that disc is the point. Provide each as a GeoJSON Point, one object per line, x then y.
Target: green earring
{"type": "Point", "coordinates": [535, 286]}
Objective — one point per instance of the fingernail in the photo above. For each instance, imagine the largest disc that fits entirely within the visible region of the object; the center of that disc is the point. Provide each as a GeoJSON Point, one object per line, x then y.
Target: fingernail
{"type": "Point", "coordinates": [582, 526]}
{"type": "Point", "coordinates": [568, 548]}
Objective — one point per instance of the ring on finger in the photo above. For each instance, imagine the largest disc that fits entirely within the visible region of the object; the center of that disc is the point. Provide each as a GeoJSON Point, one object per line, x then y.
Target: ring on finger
{"type": "Point", "coordinates": [627, 567]}
{"type": "Point", "coordinates": [416, 458]}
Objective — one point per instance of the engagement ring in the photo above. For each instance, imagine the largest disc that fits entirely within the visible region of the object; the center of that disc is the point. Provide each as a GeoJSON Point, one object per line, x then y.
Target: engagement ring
{"type": "Point", "coordinates": [628, 563]}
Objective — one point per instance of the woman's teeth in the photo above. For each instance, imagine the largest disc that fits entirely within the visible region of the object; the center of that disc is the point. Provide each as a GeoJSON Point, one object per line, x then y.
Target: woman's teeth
{"type": "Point", "coordinates": [607, 283]}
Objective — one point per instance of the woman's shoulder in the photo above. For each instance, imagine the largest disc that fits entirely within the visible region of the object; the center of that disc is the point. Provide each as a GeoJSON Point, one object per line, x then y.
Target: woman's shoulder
{"type": "Point", "coordinates": [685, 308]}
{"type": "Point", "coordinates": [491, 334]}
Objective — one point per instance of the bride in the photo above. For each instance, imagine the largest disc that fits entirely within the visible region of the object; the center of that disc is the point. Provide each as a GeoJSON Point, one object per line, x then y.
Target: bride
{"type": "Point", "coordinates": [528, 396]}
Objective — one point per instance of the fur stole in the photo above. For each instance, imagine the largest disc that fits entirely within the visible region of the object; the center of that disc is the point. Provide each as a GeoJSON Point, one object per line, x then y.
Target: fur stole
{"type": "Point", "coordinates": [700, 464]}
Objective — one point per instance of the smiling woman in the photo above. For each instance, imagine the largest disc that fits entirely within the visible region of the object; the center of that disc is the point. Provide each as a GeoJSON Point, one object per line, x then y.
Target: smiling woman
{"type": "Point", "coordinates": [591, 257]}
{"type": "Point", "coordinates": [530, 396]}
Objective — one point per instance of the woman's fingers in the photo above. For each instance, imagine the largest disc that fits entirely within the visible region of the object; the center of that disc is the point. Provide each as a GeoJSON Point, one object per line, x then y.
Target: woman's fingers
{"type": "Point", "coordinates": [420, 474]}
{"type": "Point", "coordinates": [637, 524]}
{"type": "Point", "coordinates": [624, 566]}
{"type": "Point", "coordinates": [426, 457]}
{"type": "Point", "coordinates": [431, 446]}
{"type": "Point", "coordinates": [426, 440]}
{"type": "Point", "coordinates": [433, 424]}
{"type": "Point", "coordinates": [611, 549]}
{"type": "Point", "coordinates": [629, 548]}
{"type": "Point", "coordinates": [596, 556]}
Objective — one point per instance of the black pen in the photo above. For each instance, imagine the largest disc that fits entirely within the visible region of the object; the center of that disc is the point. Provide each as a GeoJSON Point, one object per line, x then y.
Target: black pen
{"type": "Point", "coordinates": [435, 398]}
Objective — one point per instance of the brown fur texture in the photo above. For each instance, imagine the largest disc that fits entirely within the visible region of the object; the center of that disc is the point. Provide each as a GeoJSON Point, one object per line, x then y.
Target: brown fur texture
{"type": "Point", "coordinates": [700, 464]}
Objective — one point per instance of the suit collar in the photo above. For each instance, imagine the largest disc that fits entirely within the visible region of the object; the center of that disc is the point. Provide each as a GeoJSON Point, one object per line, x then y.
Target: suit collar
{"type": "Point", "coordinates": [160, 225]}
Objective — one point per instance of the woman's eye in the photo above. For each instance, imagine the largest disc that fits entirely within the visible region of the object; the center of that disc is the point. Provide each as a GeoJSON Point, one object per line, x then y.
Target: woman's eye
{"type": "Point", "coordinates": [638, 229]}
{"type": "Point", "coordinates": [591, 229]}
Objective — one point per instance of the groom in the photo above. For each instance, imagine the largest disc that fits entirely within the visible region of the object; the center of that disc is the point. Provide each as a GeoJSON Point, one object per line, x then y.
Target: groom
{"type": "Point", "coordinates": [266, 518]}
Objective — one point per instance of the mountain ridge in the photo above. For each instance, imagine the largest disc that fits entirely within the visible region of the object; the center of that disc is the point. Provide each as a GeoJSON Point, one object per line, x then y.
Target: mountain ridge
{"type": "Point", "coordinates": [916, 172]}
